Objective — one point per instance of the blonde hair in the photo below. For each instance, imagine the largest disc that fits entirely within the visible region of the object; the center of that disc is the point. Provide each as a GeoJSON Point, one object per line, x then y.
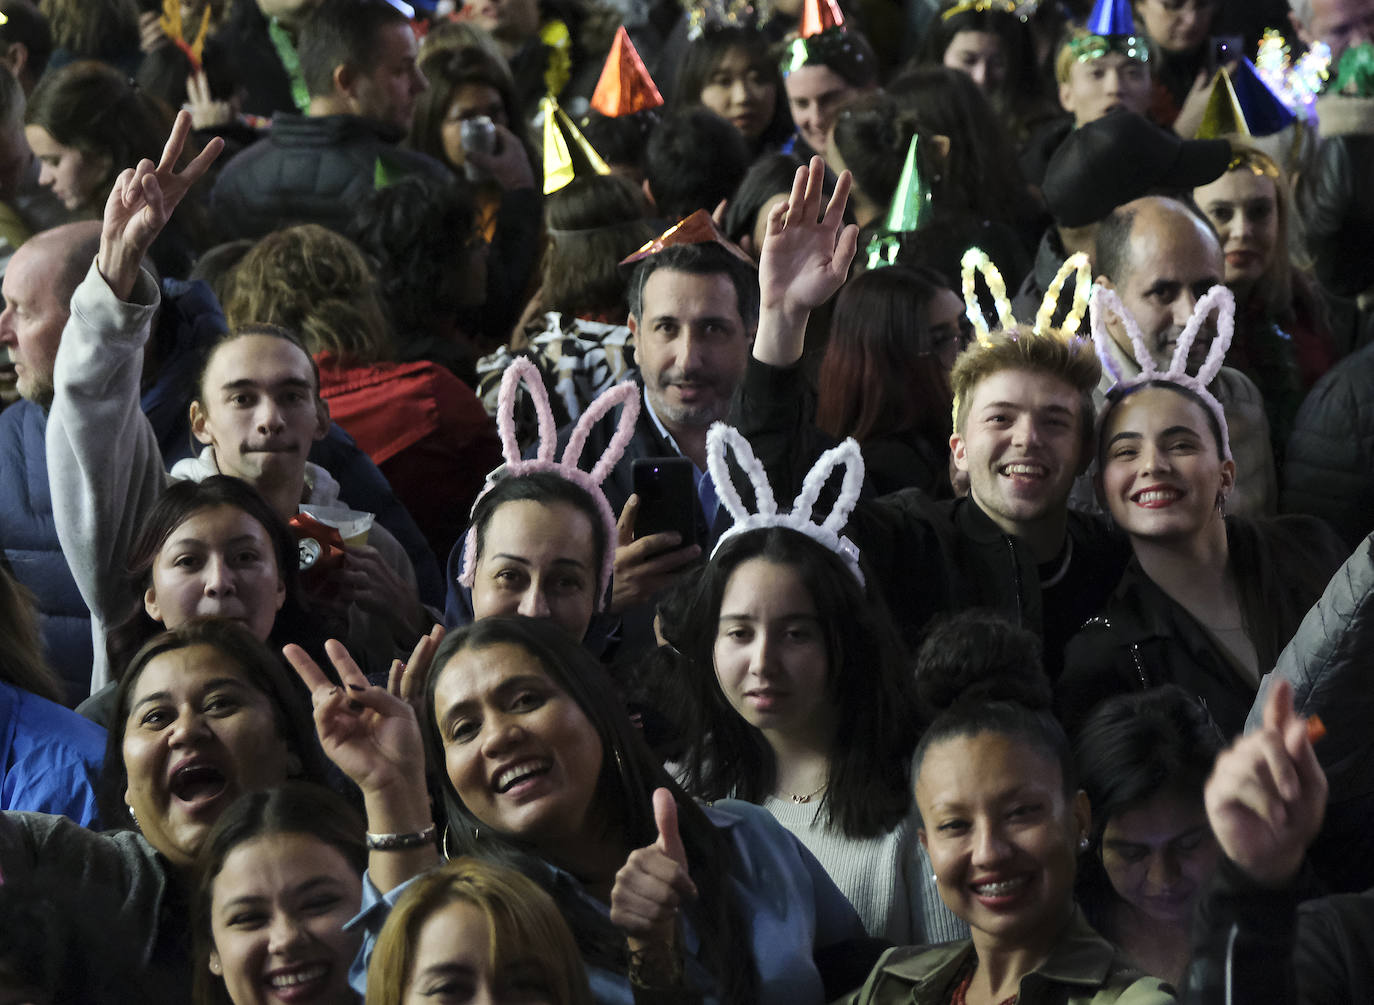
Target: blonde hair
{"type": "Point", "coordinates": [522, 924]}
{"type": "Point", "coordinates": [317, 283]}
{"type": "Point", "coordinates": [1067, 54]}
{"type": "Point", "coordinates": [1070, 359]}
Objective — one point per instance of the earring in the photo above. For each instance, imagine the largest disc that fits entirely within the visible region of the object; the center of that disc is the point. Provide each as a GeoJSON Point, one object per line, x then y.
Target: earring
{"type": "Point", "coordinates": [934, 878]}
{"type": "Point", "coordinates": [1083, 842]}
{"type": "Point", "coordinates": [1221, 503]}
{"type": "Point", "coordinates": [134, 817]}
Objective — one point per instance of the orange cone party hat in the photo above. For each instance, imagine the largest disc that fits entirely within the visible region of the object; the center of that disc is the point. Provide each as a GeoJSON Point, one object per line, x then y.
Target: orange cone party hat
{"type": "Point", "coordinates": [818, 15]}
{"type": "Point", "coordinates": [625, 86]}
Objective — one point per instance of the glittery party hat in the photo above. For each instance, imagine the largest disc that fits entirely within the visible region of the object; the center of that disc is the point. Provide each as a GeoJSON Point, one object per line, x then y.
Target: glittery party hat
{"type": "Point", "coordinates": [1111, 17]}
{"type": "Point", "coordinates": [566, 151]}
{"type": "Point", "coordinates": [625, 86]}
{"type": "Point", "coordinates": [909, 210]}
{"type": "Point", "coordinates": [1223, 115]}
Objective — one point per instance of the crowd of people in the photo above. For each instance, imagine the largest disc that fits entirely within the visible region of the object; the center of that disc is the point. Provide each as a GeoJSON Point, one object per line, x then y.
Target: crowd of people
{"type": "Point", "coordinates": [570, 501]}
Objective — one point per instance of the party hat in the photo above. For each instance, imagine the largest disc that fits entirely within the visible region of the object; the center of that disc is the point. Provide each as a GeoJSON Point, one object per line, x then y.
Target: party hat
{"type": "Point", "coordinates": [818, 15]}
{"type": "Point", "coordinates": [566, 151]}
{"type": "Point", "coordinates": [698, 228]}
{"type": "Point", "coordinates": [909, 210]}
{"type": "Point", "coordinates": [1111, 17]}
{"type": "Point", "coordinates": [625, 86]}
{"type": "Point", "coordinates": [1265, 113]}
{"type": "Point", "coordinates": [1223, 115]}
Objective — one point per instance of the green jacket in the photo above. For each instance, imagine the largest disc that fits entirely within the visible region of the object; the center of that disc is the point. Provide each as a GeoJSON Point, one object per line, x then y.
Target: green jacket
{"type": "Point", "coordinates": [1083, 969]}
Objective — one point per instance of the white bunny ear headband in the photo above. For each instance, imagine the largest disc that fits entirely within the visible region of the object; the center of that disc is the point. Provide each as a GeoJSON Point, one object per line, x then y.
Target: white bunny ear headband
{"type": "Point", "coordinates": [976, 261]}
{"type": "Point", "coordinates": [626, 393]}
{"type": "Point", "coordinates": [1219, 299]}
{"type": "Point", "coordinates": [825, 533]}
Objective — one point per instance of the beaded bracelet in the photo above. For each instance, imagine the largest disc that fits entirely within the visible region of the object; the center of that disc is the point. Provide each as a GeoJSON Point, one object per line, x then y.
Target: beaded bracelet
{"type": "Point", "coordinates": [400, 842]}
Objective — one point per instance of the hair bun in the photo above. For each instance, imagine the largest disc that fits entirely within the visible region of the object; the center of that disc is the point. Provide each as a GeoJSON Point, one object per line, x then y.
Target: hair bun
{"type": "Point", "coordinates": [978, 656]}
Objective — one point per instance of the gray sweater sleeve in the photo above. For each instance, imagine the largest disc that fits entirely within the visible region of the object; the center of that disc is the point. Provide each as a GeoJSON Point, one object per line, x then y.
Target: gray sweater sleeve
{"type": "Point", "coordinates": [104, 466]}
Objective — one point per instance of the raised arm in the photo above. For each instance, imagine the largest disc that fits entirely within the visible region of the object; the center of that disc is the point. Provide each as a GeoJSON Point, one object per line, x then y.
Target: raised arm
{"type": "Point", "coordinates": [805, 260]}
{"type": "Point", "coordinates": [104, 466]}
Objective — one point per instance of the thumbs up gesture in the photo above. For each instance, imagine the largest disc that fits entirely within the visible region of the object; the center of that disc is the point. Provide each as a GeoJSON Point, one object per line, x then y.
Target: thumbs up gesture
{"type": "Point", "coordinates": [651, 885]}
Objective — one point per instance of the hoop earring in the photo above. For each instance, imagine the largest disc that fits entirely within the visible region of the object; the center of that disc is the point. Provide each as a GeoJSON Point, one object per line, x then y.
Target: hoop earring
{"type": "Point", "coordinates": [443, 845]}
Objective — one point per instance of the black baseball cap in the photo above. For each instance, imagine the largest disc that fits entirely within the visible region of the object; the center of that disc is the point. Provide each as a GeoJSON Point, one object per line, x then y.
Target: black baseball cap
{"type": "Point", "coordinates": [1121, 157]}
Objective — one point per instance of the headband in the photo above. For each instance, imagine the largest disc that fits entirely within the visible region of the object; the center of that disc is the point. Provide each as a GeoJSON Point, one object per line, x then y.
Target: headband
{"type": "Point", "coordinates": [827, 532]}
{"type": "Point", "coordinates": [1105, 303]}
{"type": "Point", "coordinates": [976, 261]}
{"type": "Point", "coordinates": [1089, 47]}
{"type": "Point", "coordinates": [625, 393]}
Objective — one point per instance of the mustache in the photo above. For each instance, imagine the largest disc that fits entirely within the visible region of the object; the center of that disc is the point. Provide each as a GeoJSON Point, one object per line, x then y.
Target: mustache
{"type": "Point", "coordinates": [677, 375]}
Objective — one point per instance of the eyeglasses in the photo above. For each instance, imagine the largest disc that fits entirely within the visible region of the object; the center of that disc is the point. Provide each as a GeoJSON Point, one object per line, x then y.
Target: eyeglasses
{"type": "Point", "coordinates": [959, 330]}
{"type": "Point", "coordinates": [1092, 47]}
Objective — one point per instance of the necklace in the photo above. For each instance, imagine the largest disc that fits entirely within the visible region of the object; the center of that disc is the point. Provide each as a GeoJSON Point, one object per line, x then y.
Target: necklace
{"type": "Point", "coordinates": [809, 796]}
{"type": "Point", "coordinates": [1063, 566]}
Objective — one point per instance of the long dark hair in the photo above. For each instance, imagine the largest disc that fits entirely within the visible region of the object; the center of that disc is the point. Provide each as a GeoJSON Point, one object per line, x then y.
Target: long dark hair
{"type": "Point", "coordinates": [291, 808]}
{"type": "Point", "coordinates": [705, 54]}
{"type": "Point", "coordinates": [261, 668]}
{"type": "Point", "coordinates": [629, 775]}
{"type": "Point", "coordinates": [880, 376]}
{"type": "Point", "coordinates": [177, 504]}
{"type": "Point", "coordinates": [1132, 748]}
{"type": "Point", "coordinates": [870, 687]}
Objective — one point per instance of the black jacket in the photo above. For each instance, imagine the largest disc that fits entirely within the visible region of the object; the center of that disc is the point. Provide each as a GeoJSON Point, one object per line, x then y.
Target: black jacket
{"type": "Point", "coordinates": [1329, 471]}
{"type": "Point", "coordinates": [1254, 944]}
{"type": "Point", "coordinates": [927, 556]}
{"type": "Point", "coordinates": [1144, 638]}
{"type": "Point", "coordinates": [310, 169]}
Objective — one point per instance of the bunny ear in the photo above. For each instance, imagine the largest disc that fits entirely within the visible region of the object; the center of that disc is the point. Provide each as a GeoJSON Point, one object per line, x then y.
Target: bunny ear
{"type": "Point", "coordinates": [975, 260]}
{"type": "Point", "coordinates": [1221, 300]}
{"type": "Point", "coordinates": [717, 439]}
{"type": "Point", "coordinates": [848, 455]}
{"type": "Point", "coordinates": [523, 369]}
{"type": "Point", "coordinates": [626, 393]}
{"type": "Point", "coordinates": [1077, 266]}
{"type": "Point", "coordinates": [1105, 303]}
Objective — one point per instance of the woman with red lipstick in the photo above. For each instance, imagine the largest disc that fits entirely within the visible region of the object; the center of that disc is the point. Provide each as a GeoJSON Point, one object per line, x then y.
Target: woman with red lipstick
{"type": "Point", "coordinates": [1283, 341]}
{"type": "Point", "coordinates": [278, 878]}
{"type": "Point", "coordinates": [1208, 601]}
{"type": "Point", "coordinates": [730, 71]}
{"type": "Point", "coordinates": [1143, 760]}
{"type": "Point", "coordinates": [1004, 822]}
{"type": "Point", "coordinates": [204, 714]}
{"type": "Point", "coordinates": [794, 680]}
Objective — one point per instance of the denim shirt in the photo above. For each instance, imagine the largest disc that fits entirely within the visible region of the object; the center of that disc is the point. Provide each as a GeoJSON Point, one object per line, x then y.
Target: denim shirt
{"type": "Point", "coordinates": [789, 903]}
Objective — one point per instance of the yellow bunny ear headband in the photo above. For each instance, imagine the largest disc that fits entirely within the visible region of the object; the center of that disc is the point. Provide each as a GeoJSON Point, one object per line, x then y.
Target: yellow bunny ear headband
{"type": "Point", "coordinates": [976, 262]}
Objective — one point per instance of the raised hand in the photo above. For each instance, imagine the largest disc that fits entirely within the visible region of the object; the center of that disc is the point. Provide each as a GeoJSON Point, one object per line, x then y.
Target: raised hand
{"type": "Point", "coordinates": [371, 735]}
{"type": "Point", "coordinates": [804, 260]}
{"type": "Point", "coordinates": [409, 680]}
{"type": "Point", "coordinates": [142, 201]}
{"type": "Point", "coordinates": [651, 885]}
{"type": "Point", "coordinates": [1267, 794]}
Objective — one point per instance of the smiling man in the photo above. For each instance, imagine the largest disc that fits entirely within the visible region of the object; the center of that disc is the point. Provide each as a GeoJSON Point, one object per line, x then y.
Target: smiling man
{"type": "Point", "coordinates": [1022, 432]}
{"type": "Point", "coordinates": [1161, 257]}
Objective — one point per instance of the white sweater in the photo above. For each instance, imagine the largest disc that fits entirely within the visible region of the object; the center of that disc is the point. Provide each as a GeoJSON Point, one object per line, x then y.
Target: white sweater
{"type": "Point", "coordinates": [886, 878]}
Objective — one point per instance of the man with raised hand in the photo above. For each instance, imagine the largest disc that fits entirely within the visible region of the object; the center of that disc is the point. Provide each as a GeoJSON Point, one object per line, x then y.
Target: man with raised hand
{"type": "Point", "coordinates": [1023, 432]}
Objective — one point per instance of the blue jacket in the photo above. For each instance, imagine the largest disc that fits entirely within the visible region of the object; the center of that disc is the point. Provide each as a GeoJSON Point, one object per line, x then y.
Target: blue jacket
{"type": "Point", "coordinates": [28, 540]}
{"type": "Point", "coordinates": [50, 757]}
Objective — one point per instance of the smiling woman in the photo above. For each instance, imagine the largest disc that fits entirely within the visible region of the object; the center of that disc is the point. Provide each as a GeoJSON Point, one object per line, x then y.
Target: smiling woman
{"type": "Point", "coordinates": [278, 878]}
{"type": "Point", "coordinates": [205, 713]}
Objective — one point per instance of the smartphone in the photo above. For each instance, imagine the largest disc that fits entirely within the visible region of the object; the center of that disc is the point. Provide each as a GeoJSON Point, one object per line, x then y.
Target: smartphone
{"type": "Point", "coordinates": [1223, 50]}
{"type": "Point", "coordinates": [478, 134]}
{"type": "Point", "coordinates": [667, 497]}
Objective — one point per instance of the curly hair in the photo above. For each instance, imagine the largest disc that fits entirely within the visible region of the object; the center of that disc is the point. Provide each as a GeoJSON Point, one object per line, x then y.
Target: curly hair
{"type": "Point", "coordinates": [315, 282]}
{"type": "Point", "coordinates": [108, 29]}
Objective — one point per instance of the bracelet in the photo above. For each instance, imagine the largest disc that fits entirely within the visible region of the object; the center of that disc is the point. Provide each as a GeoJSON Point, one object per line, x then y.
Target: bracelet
{"type": "Point", "coordinates": [400, 842]}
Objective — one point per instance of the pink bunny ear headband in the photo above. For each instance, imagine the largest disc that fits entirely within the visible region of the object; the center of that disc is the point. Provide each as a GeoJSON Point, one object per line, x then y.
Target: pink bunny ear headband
{"type": "Point", "coordinates": [827, 532]}
{"type": "Point", "coordinates": [626, 393]}
{"type": "Point", "coordinates": [1105, 303]}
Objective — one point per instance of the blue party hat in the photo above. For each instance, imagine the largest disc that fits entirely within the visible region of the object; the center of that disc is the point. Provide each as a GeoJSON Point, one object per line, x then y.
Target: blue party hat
{"type": "Point", "coordinates": [1265, 113]}
{"type": "Point", "coordinates": [1111, 17]}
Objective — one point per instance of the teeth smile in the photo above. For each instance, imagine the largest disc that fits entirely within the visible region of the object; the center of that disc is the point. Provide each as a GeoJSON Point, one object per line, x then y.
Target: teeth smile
{"type": "Point", "coordinates": [1000, 888]}
{"type": "Point", "coordinates": [1157, 495]}
{"type": "Point", "coordinates": [511, 776]}
{"type": "Point", "coordinates": [1023, 469]}
{"type": "Point", "coordinates": [300, 976]}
